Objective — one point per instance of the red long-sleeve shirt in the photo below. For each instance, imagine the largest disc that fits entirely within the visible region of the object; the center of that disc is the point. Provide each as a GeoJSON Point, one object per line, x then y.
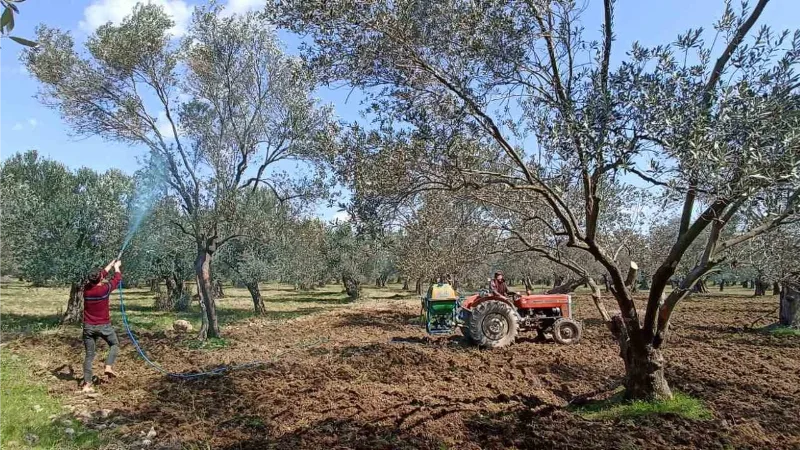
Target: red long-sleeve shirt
{"type": "Point", "coordinates": [95, 299]}
{"type": "Point", "coordinates": [498, 287]}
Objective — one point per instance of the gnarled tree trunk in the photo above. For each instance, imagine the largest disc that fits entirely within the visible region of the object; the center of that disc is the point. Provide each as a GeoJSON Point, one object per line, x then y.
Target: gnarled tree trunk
{"type": "Point", "coordinates": [558, 280]}
{"type": "Point", "coordinates": [74, 312]}
{"type": "Point", "coordinates": [155, 286]}
{"type": "Point", "coordinates": [218, 291]}
{"type": "Point", "coordinates": [722, 285]}
{"type": "Point", "coordinates": [700, 287]}
{"type": "Point", "coordinates": [202, 266]}
{"type": "Point", "coordinates": [760, 287]}
{"type": "Point", "coordinates": [165, 302]}
{"type": "Point", "coordinates": [176, 298]}
{"type": "Point", "coordinates": [351, 286]}
{"type": "Point", "coordinates": [258, 302]}
{"type": "Point", "coordinates": [776, 288]}
{"type": "Point", "coordinates": [418, 287]}
{"type": "Point", "coordinates": [644, 372]}
{"type": "Point", "coordinates": [789, 315]}
{"type": "Point", "coordinates": [528, 283]}
{"type": "Point", "coordinates": [405, 283]}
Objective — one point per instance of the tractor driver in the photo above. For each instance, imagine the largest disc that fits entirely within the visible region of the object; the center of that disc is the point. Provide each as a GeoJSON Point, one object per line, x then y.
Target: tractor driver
{"type": "Point", "coordinates": [498, 286]}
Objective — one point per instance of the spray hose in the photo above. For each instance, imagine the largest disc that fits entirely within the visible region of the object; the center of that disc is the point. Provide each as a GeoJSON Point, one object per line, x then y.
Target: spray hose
{"type": "Point", "coordinates": [182, 376]}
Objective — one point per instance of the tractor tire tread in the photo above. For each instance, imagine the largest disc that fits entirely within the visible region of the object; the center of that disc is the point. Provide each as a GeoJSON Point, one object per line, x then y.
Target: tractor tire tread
{"type": "Point", "coordinates": [558, 335]}
{"type": "Point", "coordinates": [465, 328]}
{"type": "Point", "coordinates": [480, 312]}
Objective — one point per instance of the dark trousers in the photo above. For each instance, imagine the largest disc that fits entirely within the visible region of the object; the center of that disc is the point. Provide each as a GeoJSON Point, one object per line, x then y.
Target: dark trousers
{"type": "Point", "coordinates": [90, 335]}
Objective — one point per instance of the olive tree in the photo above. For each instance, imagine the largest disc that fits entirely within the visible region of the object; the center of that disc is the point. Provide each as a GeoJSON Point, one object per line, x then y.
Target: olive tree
{"type": "Point", "coordinates": [58, 224]}
{"type": "Point", "coordinates": [444, 236]}
{"type": "Point", "coordinates": [218, 109]}
{"type": "Point", "coordinates": [552, 121]}
{"type": "Point", "coordinates": [160, 252]}
{"type": "Point", "coordinates": [263, 225]}
{"type": "Point", "coordinates": [302, 259]}
{"type": "Point", "coordinates": [348, 255]}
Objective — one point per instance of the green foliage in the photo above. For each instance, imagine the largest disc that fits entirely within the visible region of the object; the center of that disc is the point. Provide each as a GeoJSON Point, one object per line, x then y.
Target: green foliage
{"type": "Point", "coordinates": [158, 249]}
{"type": "Point", "coordinates": [27, 407]}
{"type": "Point", "coordinates": [217, 110]}
{"type": "Point", "coordinates": [349, 254]}
{"type": "Point", "coordinates": [302, 258]}
{"type": "Point", "coordinates": [262, 225]}
{"type": "Point", "coordinates": [616, 408]}
{"type": "Point", "coordinates": [520, 111]}
{"type": "Point", "coordinates": [7, 22]}
{"type": "Point", "coordinates": [58, 224]}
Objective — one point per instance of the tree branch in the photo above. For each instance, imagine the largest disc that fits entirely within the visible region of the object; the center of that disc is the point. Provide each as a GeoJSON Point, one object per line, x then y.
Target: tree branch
{"type": "Point", "coordinates": [722, 61]}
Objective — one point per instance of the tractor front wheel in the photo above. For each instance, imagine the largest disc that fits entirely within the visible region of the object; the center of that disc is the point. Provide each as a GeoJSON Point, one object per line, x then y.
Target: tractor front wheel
{"type": "Point", "coordinates": [493, 324]}
{"type": "Point", "coordinates": [566, 331]}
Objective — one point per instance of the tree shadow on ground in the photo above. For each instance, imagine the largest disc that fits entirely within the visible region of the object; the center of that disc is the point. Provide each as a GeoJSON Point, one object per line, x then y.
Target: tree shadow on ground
{"type": "Point", "coordinates": [433, 341]}
{"type": "Point", "coordinates": [225, 413]}
{"type": "Point", "coordinates": [278, 315]}
{"type": "Point", "coordinates": [338, 299]}
{"type": "Point", "coordinates": [225, 316]}
{"type": "Point", "coordinates": [28, 323]}
{"type": "Point", "coordinates": [315, 293]}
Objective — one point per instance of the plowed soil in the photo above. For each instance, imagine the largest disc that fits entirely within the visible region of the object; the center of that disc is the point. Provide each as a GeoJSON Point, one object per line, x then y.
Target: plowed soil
{"type": "Point", "coordinates": [365, 376]}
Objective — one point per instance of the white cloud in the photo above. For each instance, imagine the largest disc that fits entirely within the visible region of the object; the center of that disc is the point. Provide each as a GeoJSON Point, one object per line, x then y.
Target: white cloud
{"type": "Point", "coordinates": [102, 11]}
{"type": "Point", "coordinates": [165, 127]}
{"type": "Point", "coordinates": [30, 123]}
{"type": "Point", "coordinates": [242, 6]}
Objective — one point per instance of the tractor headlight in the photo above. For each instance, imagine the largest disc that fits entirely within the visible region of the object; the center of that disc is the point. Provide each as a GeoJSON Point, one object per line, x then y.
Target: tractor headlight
{"type": "Point", "coordinates": [557, 311]}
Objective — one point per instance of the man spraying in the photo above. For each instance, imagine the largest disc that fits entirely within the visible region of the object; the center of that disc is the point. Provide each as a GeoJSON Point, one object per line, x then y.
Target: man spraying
{"type": "Point", "coordinates": [97, 320]}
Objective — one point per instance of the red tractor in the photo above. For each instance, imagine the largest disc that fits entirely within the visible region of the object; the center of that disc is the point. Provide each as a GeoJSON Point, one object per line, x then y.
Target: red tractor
{"type": "Point", "coordinates": [491, 321]}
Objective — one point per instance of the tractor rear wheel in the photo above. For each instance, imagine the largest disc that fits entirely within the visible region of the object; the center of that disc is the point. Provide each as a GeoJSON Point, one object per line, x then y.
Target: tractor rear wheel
{"type": "Point", "coordinates": [465, 326]}
{"type": "Point", "coordinates": [566, 331]}
{"type": "Point", "coordinates": [493, 324]}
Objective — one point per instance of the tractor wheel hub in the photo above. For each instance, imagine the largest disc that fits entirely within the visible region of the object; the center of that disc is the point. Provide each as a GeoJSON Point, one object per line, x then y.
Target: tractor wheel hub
{"type": "Point", "coordinates": [495, 326]}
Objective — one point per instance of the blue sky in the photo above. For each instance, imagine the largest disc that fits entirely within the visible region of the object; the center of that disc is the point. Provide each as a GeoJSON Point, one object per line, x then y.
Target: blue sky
{"type": "Point", "coordinates": [26, 124]}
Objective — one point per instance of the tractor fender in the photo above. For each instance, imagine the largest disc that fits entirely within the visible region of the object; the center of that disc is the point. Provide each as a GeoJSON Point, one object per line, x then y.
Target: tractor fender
{"type": "Point", "coordinates": [475, 300]}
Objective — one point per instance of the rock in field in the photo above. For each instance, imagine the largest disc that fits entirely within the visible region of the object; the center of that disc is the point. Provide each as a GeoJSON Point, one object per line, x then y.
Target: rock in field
{"type": "Point", "coordinates": [182, 326]}
{"type": "Point", "coordinates": [31, 439]}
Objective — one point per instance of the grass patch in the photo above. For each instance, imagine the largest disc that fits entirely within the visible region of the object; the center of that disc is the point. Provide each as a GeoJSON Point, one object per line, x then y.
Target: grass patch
{"type": "Point", "coordinates": [781, 331]}
{"type": "Point", "coordinates": [28, 323]}
{"type": "Point", "coordinates": [617, 408]}
{"type": "Point", "coordinates": [209, 344]}
{"type": "Point", "coordinates": [27, 408]}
